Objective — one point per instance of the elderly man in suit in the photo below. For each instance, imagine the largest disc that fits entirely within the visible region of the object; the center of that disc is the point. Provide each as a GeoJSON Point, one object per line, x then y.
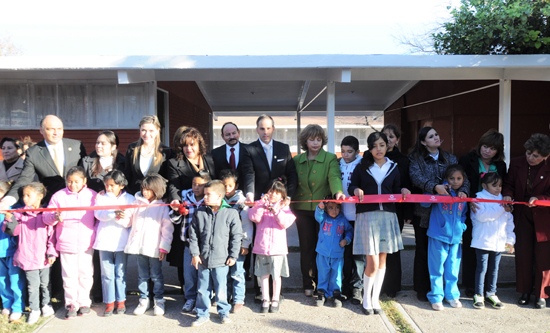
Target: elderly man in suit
{"type": "Point", "coordinates": [235, 155]}
{"type": "Point", "coordinates": [50, 160]}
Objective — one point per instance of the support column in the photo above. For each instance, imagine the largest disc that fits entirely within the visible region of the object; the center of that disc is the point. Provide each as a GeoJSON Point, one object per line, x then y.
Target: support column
{"type": "Point", "coordinates": [298, 124]}
{"type": "Point", "coordinates": [331, 108]}
{"type": "Point", "coordinates": [505, 114]}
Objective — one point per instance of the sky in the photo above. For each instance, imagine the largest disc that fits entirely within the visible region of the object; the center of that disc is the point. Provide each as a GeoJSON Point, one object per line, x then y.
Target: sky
{"type": "Point", "coordinates": [239, 27]}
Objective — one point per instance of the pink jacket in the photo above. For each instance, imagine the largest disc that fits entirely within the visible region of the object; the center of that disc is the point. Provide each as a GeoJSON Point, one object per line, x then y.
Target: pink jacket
{"type": "Point", "coordinates": [151, 228]}
{"type": "Point", "coordinates": [271, 229]}
{"type": "Point", "coordinates": [36, 241]}
{"type": "Point", "coordinates": [76, 234]}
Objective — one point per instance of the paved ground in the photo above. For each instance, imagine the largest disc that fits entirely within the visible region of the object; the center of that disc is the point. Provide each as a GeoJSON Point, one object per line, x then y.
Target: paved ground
{"type": "Point", "coordinates": [299, 315]}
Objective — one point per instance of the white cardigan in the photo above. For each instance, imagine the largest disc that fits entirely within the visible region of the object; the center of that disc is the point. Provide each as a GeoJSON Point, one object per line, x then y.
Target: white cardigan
{"type": "Point", "coordinates": [493, 226]}
{"type": "Point", "coordinates": [111, 234]}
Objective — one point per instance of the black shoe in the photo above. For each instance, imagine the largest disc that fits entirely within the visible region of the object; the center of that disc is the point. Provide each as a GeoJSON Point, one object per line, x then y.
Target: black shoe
{"type": "Point", "coordinates": [368, 312]}
{"type": "Point", "coordinates": [378, 311]}
{"type": "Point", "coordinates": [356, 297]}
{"type": "Point", "coordinates": [266, 308]}
{"type": "Point", "coordinates": [470, 292]}
{"type": "Point", "coordinates": [391, 294]}
{"type": "Point", "coordinates": [540, 303]}
{"type": "Point", "coordinates": [274, 309]}
{"type": "Point", "coordinates": [422, 297]}
{"type": "Point", "coordinates": [258, 298]}
{"type": "Point", "coordinates": [524, 299]}
{"type": "Point", "coordinates": [320, 299]}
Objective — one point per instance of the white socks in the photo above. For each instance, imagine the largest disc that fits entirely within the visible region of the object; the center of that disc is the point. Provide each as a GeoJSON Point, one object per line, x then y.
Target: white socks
{"type": "Point", "coordinates": [378, 280]}
{"type": "Point", "coordinates": [368, 283]}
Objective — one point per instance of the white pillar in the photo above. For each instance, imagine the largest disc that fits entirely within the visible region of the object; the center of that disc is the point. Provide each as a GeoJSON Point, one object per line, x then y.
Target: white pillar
{"type": "Point", "coordinates": [331, 108]}
{"type": "Point", "coordinates": [505, 114]}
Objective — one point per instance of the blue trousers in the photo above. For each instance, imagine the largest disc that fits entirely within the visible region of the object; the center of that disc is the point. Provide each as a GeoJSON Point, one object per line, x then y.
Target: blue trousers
{"type": "Point", "coordinates": [236, 284]}
{"type": "Point", "coordinates": [12, 285]}
{"type": "Point", "coordinates": [212, 278]}
{"type": "Point", "coordinates": [329, 272]}
{"type": "Point", "coordinates": [443, 265]}
{"type": "Point", "coordinates": [150, 268]}
{"type": "Point", "coordinates": [113, 275]}
{"type": "Point", "coordinates": [487, 269]}
{"type": "Point", "coordinates": [190, 276]}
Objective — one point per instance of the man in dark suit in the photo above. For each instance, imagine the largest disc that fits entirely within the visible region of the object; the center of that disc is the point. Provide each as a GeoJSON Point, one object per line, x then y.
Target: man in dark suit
{"type": "Point", "coordinates": [49, 160]}
{"type": "Point", "coordinates": [271, 159]}
{"type": "Point", "coordinates": [235, 155]}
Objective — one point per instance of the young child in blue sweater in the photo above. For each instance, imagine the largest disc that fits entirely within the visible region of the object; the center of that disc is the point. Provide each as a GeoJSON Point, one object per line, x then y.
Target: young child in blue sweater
{"type": "Point", "coordinates": [447, 223]}
{"type": "Point", "coordinates": [335, 233]}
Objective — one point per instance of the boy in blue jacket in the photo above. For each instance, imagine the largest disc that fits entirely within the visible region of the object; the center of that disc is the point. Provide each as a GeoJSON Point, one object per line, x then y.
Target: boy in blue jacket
{"type": "Point", "coordinates": [334, 234]}
{"type": "Point", "coordinates": [447, 223]}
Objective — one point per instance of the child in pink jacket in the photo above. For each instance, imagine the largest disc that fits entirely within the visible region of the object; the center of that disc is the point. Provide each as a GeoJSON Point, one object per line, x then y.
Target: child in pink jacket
{"type": "Point", "coordinates": [35, 251]}
{"type": "Point", "coordinates": [75, 231]}
{"type": "Point", "coordinates": [273, 217]}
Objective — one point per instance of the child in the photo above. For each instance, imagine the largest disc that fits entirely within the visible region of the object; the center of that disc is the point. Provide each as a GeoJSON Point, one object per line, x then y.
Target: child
{"type": "Point", "coordinates": [214, 243]}
{"type": "Point", "coordinates": [447, 223]}
{"type": "Point", "coordinates": [36, 250]}
{"type": "Point", "coordinates": [236, 284]}
{"type": "Point", "coordinates": [354, 265]}
{"type": "Point", "coordinates": [194, 196]}
{"type": "Point", "coordinates": [150, 240]}
{"type": "Point", "coordinates": [334, 234]}
{"type": "Point", "coordinates": [12, 280]}
{"type": "Point", "coordinates": [273, 217]}
{"type": "Point", "coordinates": [111, 238]}
{"type": "Point", "coordinates": [75, 233]}
{"type": "Point", "coordinates": [492, 233]}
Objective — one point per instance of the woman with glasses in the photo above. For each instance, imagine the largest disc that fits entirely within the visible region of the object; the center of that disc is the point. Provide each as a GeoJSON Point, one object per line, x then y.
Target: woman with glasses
{"type": "Point", "coordinates": [428, 163]}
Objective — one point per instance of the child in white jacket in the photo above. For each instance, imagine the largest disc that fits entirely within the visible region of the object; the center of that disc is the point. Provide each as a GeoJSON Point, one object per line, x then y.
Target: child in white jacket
{"type": "Point", "coordinates": [492, 234]}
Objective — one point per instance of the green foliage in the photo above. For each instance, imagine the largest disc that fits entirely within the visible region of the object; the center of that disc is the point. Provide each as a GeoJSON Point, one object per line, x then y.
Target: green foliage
{"type": "Point", "coordinates": [496, 27]}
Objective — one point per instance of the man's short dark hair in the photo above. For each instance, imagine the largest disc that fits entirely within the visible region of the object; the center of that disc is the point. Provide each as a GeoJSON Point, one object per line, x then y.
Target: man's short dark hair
{"type": "Point", "coordinates": [230, 123]}
{"type": "Point", "coordinates": [262, 117]}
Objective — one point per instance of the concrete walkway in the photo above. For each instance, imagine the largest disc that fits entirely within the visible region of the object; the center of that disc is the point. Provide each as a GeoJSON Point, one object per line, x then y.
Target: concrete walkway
{"type": "Point", "coordinates": [298, 314]}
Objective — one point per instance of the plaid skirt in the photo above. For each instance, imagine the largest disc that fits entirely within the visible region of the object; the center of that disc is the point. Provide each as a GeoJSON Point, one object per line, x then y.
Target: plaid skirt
{"type": "Point", "coordinates": [376, 232]}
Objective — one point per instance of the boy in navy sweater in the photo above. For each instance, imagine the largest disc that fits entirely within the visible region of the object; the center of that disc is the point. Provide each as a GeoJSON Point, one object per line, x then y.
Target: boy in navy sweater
{"type": "Point", "coordinates": [334, 234]}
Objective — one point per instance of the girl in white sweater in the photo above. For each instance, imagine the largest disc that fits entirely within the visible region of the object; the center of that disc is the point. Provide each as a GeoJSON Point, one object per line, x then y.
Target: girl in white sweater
{"type": "Point", "coordinates": [492, 234]}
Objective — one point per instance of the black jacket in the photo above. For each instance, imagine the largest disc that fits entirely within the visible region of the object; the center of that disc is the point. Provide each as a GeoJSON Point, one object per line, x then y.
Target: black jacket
{"type": "Point", "coordinates": [404, 211]}
{"type": "Point", "coordinates": [245, 168]}
{"type": "Point", "coordinates": [470, 163]}
{"type": "Point", "coordinates": [133, 172]}
{"type": "Point", "coordinates": [180, 175]}
{"type": "Point", "coordinates": [96, 182]}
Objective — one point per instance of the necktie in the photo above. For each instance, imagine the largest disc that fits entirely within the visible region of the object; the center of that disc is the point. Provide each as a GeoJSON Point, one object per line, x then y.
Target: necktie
{"type": "Point", "coordinates": [232, 159]}
{"type": "Point", "coordinates": [57, 161]}
{"type": "Point", "coordinates": [268, 155]}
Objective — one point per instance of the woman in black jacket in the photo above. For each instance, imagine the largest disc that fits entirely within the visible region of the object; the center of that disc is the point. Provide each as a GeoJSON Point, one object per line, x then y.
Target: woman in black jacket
{"type": "Point", "coordinates": [487, 156]}
{"type": "Point", "coordinates": [102, 160]}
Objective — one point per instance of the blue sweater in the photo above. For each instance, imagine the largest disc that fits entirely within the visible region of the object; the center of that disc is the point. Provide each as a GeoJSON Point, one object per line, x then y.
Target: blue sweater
{"type": "Point", "coordinates": [8, 244]}
{"type": "Point", "coordinates": [332, 231]}
{"type": "Point", "coordinates": [447, 221]}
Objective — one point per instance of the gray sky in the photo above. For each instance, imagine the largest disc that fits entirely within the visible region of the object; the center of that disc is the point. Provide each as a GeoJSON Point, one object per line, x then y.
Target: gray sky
{"type": "Point", "coordinates": [240, 27]}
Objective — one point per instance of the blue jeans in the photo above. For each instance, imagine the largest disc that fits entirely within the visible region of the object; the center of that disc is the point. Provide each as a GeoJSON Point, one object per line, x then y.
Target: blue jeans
{"type": "Point", "coordinates": [329, 274]}
{"type": "Point", "coordinates": [150, 268]}
{"type": "Point", "coordinates": [218, 277]}
{"type": "Point", "coordinates": [189, 275]}
{"type": "Point", "coordinates": [113, 275]}
{"type": "Point", "coordinates": [443, 265]}
{"type": "Point", "coordinates": [487, 267]}
{"type": "Point", "coordinates": [236, 284]}
{"type": "Point", "coordinates": [12, 285]}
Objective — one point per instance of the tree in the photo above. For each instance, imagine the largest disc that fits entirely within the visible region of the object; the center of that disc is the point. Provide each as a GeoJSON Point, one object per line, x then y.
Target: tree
{"type": "Point", "coordinates": [7, 48]}
{"type": "Point", "coordinates": [496, 27]}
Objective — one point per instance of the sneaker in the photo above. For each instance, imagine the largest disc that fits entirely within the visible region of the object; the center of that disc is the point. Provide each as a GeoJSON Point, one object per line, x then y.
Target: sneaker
{"type": "Point", "coordinates": [200, 321]}
{"type": "Point", "coordinates": [320, 300]}
{"type": "Point", "coordinates": [336, 302]}
{"type": "Point", "coordinates": [478, 302]}
{"type": "Point", "coordinates": [121, 307]}
{"type": "Point", "coordinates": [47, 311]}
{"type": "Point", "coordinates": [142, 306]}
{"type": "Point", "coordinates": [455, 303]}
{"type": "Point", "coordinates": [188, 306]}
{"type": "Point", "coordinates": [15, 317]}
{"type": "Point", "coordinates": [34, 315]}
{"type": "Point", "coordinates": [438, 306]}
{"type": "Point", "coordinates": [109, 309]}
{"type": "Point", "coordinates": [195, 311]}
{"type": "Point", "coordinates": [225, 319]}
{"type": "Point", "coordinates": [158, 309]}
{"type": "Point", "coordinates": [84, 311]}
{"type": "Point", "coordinates": [71, 312]}
{"type": "Point", "coordinates": [5, 312]}
{"type": "Point", "coordinates": [495, 302]}
{"type": "Point", "coordinates": [356, 296]}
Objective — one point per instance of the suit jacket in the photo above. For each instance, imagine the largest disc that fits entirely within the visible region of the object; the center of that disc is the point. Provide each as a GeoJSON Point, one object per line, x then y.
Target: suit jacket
{"type": "Point", "coordinates": [515, 185]}
{"type": "Point", "coordinates": [39, 162]}
{"type": "Point", "coordinates": [282, 165]}
{"type": "Point", "coordinates": [244, 168]}
{"type": "Point", "coordinates": [180, 175]}
{"type": "Point", "coordinates": [133, 172]}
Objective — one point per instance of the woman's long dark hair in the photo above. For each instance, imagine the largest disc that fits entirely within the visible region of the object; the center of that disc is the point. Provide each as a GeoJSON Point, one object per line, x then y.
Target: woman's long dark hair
{"type": "Point", "coordinates": [112, 138]}
{"type": "Point", "coordinates": [368, 159]}
{"type": "Point", "coordinates": [419, 150]}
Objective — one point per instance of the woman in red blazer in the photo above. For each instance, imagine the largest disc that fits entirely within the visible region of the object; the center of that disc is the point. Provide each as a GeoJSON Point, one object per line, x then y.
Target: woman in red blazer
{"type": "Point", "coordinates": [528, 180]}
